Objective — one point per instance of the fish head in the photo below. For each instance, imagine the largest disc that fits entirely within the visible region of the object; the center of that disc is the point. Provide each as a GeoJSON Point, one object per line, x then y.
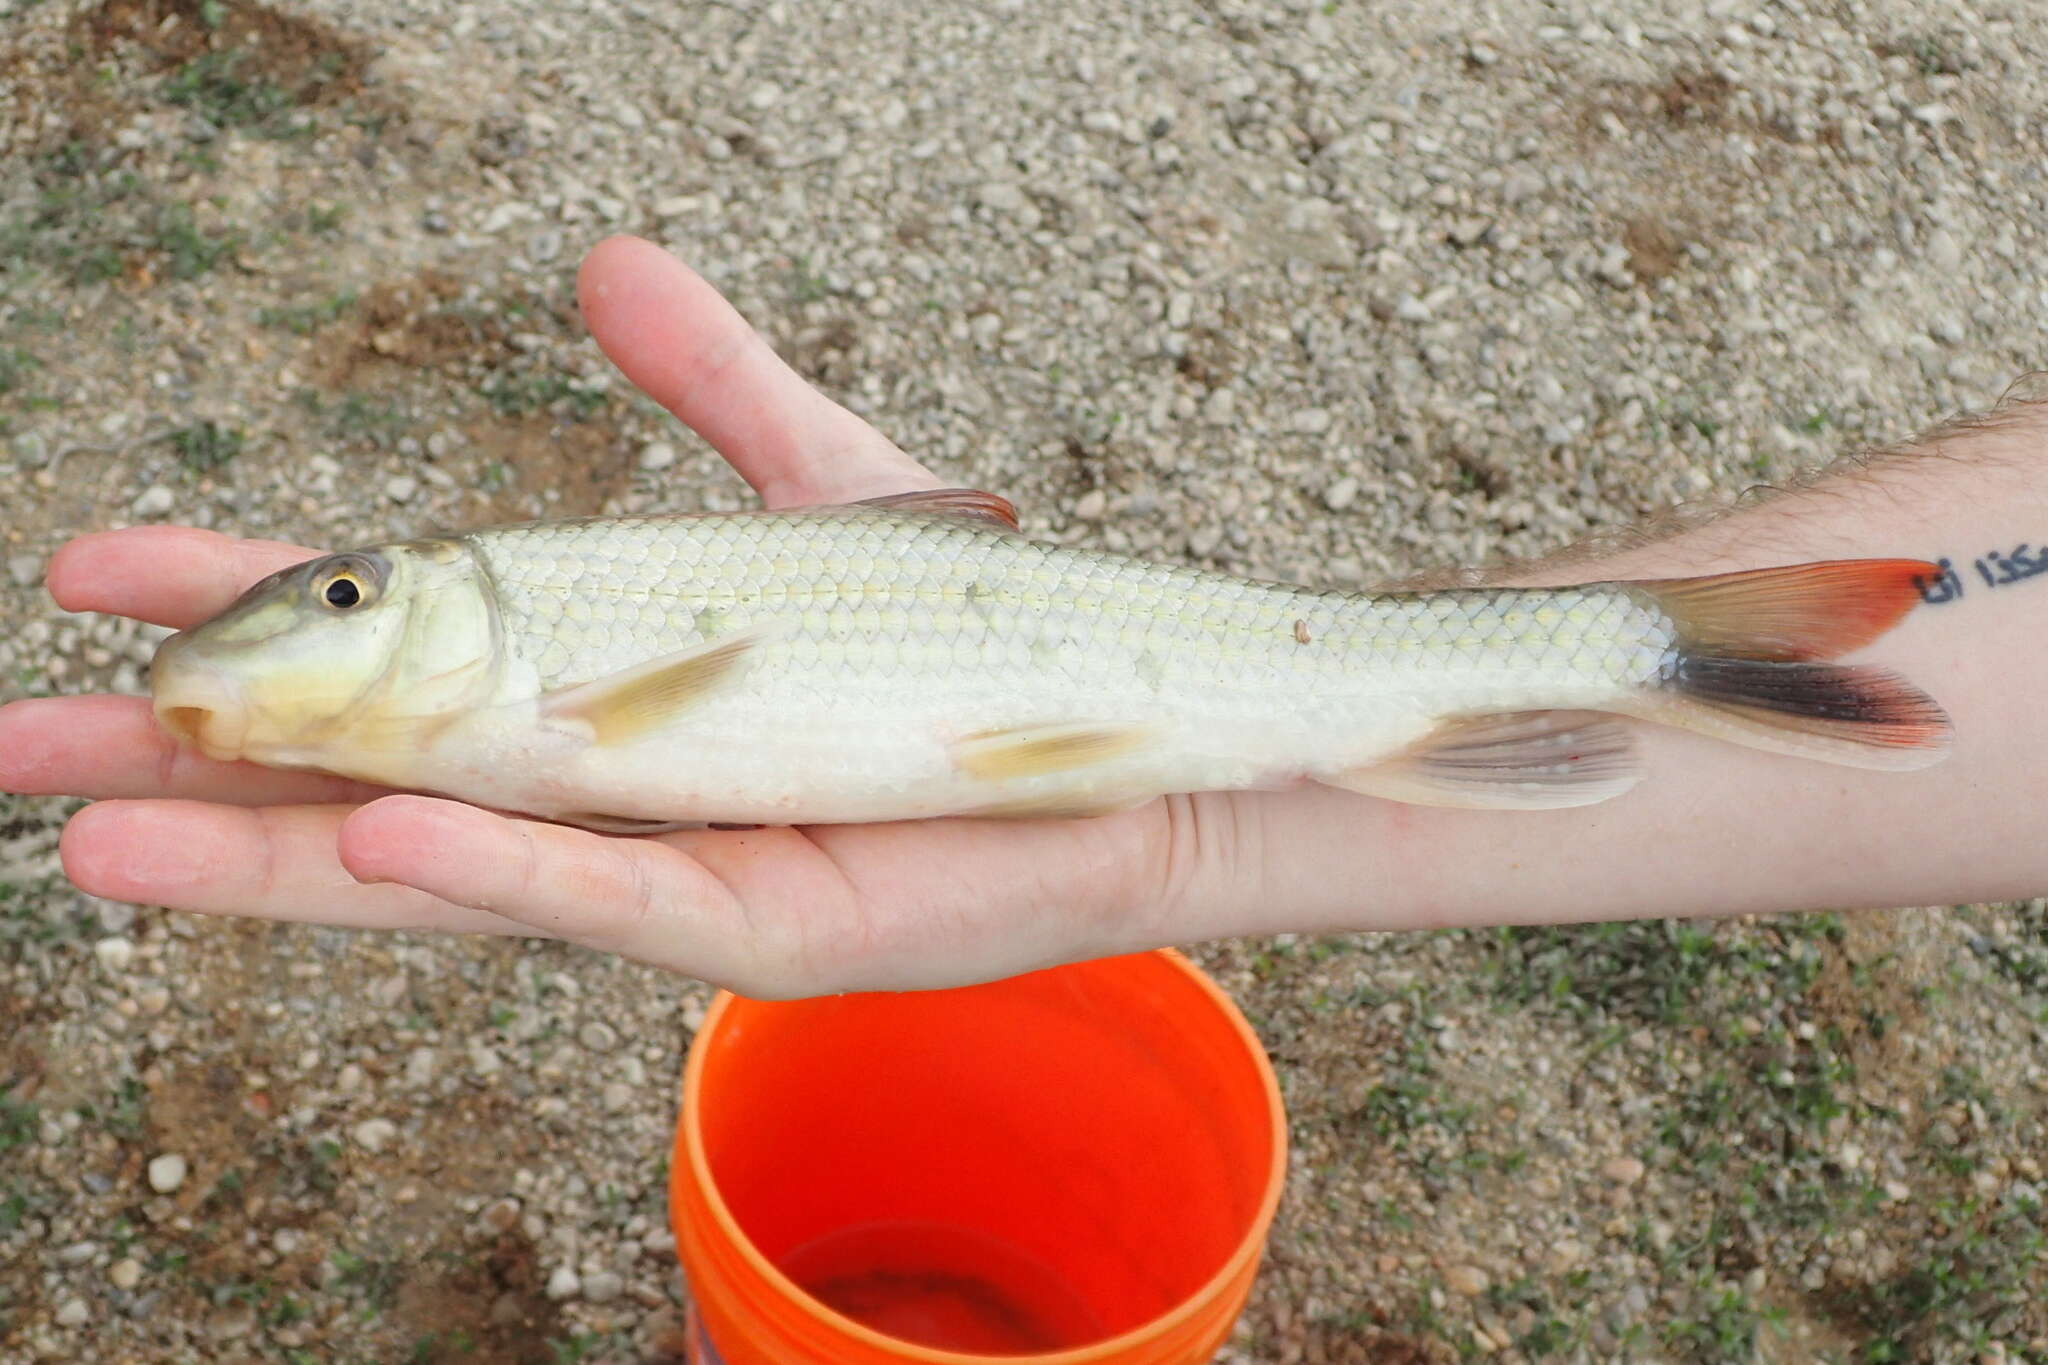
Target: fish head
{"type": "Point", "coordinates": [336, 660]}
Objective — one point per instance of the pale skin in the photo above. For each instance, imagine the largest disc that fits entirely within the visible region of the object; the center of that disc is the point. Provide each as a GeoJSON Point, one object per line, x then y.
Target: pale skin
{"type": "Point", "coordinates": [1713, 829]}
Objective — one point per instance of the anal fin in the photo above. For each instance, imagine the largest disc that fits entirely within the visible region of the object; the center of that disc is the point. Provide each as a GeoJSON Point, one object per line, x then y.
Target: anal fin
{"type": "Point", "coordinates": [1519, 760]}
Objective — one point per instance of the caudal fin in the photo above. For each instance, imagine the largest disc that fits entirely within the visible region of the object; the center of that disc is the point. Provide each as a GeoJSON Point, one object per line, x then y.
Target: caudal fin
{"type": "Point", "coordinates": [1751, 663]}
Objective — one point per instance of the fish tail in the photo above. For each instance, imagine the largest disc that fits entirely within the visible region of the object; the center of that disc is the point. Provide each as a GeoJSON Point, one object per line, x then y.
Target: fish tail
{"type": "Point", "coordinates": [1752, 663]}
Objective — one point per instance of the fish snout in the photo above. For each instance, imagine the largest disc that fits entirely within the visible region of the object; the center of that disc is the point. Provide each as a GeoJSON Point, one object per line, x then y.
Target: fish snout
{"type": "Point", "coordinates": [196, 705]}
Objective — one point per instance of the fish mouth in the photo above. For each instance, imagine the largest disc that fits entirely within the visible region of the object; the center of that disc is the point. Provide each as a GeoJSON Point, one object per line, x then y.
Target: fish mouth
{"type": "Point", "coordinates": [196, 706]}
{"type": "Point", "coordinates": [215, 732]}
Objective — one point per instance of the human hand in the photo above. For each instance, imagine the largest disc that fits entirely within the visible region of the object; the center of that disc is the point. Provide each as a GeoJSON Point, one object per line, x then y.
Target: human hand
{"type": "Point", "coordinates": [769, 912]}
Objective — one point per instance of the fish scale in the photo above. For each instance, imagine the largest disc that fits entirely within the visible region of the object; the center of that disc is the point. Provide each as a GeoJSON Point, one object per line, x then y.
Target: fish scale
{"type": "Point", "coordinates": [918, 656]}
{"type": "Point", "coordinates": [869, 584]}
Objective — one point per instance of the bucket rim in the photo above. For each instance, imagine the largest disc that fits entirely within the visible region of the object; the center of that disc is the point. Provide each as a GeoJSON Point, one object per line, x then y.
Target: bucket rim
{"type": "Point", "coordinates": [1214, 1289]}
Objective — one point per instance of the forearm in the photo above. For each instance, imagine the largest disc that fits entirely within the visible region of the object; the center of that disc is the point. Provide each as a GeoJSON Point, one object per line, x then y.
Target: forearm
{"type": "Point", "coordinates": [1717, 829]}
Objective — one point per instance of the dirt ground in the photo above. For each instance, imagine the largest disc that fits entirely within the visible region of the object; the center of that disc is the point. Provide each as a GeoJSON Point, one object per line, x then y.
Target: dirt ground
{"type": "Point", "coordinates": [1327, 291]}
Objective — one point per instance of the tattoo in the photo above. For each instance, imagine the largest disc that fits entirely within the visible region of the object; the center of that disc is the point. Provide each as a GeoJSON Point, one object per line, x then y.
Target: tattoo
{"type": "Point", "coordinates": [1997, 570]}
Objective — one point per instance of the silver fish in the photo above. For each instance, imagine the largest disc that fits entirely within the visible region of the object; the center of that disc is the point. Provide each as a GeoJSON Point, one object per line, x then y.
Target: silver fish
{"type": "Point", "coordinates": [917, 656]}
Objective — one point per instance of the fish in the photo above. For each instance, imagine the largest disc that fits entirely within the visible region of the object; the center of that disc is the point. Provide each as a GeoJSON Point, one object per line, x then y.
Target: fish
{"type": "Point", "coordinates": [918, 656]}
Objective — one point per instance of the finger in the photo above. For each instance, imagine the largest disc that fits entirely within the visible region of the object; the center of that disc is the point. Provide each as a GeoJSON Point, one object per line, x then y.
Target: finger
{"type": "Point", "coordinates": [636, 897]}
{"type": "Point", "coordinates": [672, 334]}
{"type": "Point", "coordinates": [168, 575]}
{"type": "Point", "coordinates": [631, 897]}
{"type": "Point", "coordinates": [105, 746]}
{"type": "Point", "coordinates": [271, 863]}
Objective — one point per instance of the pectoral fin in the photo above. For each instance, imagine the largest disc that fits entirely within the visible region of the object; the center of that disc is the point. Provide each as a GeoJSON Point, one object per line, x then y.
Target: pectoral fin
{"type": "Point", "coordinates": [1042, 750]}
{"type": "Point", "coordinates": [640, 700]}
{"type": "Point", "coordinates": [1523, 760]}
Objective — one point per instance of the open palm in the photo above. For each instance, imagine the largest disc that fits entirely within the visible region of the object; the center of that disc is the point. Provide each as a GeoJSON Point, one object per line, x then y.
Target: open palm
{"type": "Point", "coordinates": [770, 912]}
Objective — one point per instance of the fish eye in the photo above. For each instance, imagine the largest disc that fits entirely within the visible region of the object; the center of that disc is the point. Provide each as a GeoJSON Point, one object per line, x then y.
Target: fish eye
{"type": "Point", "coordinates": [345, 586]}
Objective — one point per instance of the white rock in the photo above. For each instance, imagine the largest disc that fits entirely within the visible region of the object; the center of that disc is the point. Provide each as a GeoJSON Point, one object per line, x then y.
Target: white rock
{"type": "Point", "coordinates": [564, 1283]}
{"type": "Point", "coordinates": [167, 1172]}
{"type": "Point", "coordinates": [114, 953]}
{"type": "Point", "coordinates": [1341, 494]}
{"type": "Point", "coordinates": [73, 1313]}
{"type": "Point", "coordinates": [657, 455]}
{"type": "Point", "coordinates": [1090, 505]}
{"type": "Point", "coordinates": [598, 1036]}
{"type": "Point", "coordinates": [155, 501]}
{"type": "Point", "coordinates": [602, 1287]}
{"type": "Point", "coordinates": [1312, 421]}
{"type": "Point", "coordinates": [25, 571]}
{"type": "Point", "coordinates": [401, 487]}
{"type": "Point", "coordinates": [374, 1135]}
{"type": "Point", "coordinates": [618, 1096]}
{"type": "Point", "coordinates": [125, 1273]}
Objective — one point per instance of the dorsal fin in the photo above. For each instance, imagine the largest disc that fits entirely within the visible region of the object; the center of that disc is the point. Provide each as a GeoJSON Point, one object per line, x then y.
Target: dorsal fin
{"type": "Point", "coordinates": [968, 504]}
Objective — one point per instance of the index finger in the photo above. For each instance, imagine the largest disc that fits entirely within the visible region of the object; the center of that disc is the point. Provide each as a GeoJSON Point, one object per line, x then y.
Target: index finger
{"type": "Point", "coordinates": [173, 576]}
{"type": "Point", "coordinates": [677, 338]}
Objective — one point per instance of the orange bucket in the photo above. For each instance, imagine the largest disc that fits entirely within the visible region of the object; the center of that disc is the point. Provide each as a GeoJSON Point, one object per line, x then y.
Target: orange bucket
{"type": "Point", "coordinates": [1077, 1166]}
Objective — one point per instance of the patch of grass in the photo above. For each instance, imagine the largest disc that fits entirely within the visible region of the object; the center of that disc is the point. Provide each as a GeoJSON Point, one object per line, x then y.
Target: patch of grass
{"type": "Point", "coordinates": [1987, 1260]}
{"type": "Point", "coordinates": [515, 396]}
{"type": "Point", "coordinates": [206, 446]}
{"type": "Point", "coordinates": [15, 366]}
{"type": "Point", "coordinates": [806, 283]}
{"type": "Point", "coordinates": [17, 1122]}
{"type": "Point", "coordinates": [1409, 1098]}
{"type": "Point", "coordinates": [188, 249]}
{"type": "Point", "coordinates": [1725, 1328]}
{"type": "Point", "coordinates": [1669, 972]}
{"type": "Point", "coordinates": [217, 86]}
{"type": "Point", "coordinates": [324, 220]}
{"type": "Point", "coordinates": [357, 419]}
{"type": "Point", "coordinates": [376, 1278]}
{"type": "Point", "coordinates": [302, 319]}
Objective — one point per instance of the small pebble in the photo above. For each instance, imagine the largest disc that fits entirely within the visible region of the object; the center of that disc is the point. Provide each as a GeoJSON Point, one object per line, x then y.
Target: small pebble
{"type": "Point", "coordinates": [155, 501]}
{"type": "Point", "coordinates": [25, 571]}
{"type": "Point", "coordinates": [1340, 495]}
{"type": "Point", "coordinates": [167, 1173]}
{"type": "Point", "coordinates": [73, 1313]}
{"type": "Point", "coordinates": [598, 1036]}
{"type": "Point", "coordinates": [601, 1287]}
{"type": "Point", "coordinates": [501, 1215]}
{"type": "Point", "coordinates": [401, 487]}
{"type": "Point", "coordinates": [656, 456]}
{"type": "Point", "coordinates": [1469, 1281]}
{"type": "Point", "coordinates": [564, 1283]}
{"type": "Point", "coordinates": [125, 1273]}
{"type": "Point", "coordinates": [114, 953]}
{"type": "Point", "coordinates": [374, 1135]}
{"type": "Point", "coordinates": [1623, 1170]}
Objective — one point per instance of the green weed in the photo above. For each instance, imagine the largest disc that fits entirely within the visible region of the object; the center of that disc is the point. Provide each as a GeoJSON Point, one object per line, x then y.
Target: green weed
{"type": "Point", "coordinates": [205, 446]}
{"type": "Point", "coordinates": [514, 396]}
{"type": "Point", "coordinates": [213, 86]}
{"type": "Point", "coordinates": [302, 319]}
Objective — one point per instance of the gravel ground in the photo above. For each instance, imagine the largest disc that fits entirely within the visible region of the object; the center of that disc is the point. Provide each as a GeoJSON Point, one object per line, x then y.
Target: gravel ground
{"type": "Point", "coordinates": [1333, 291]}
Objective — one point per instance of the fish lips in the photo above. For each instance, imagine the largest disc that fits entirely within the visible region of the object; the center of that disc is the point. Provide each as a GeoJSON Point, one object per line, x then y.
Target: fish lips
{"type": "Point", "coordinates": [196, 705]}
